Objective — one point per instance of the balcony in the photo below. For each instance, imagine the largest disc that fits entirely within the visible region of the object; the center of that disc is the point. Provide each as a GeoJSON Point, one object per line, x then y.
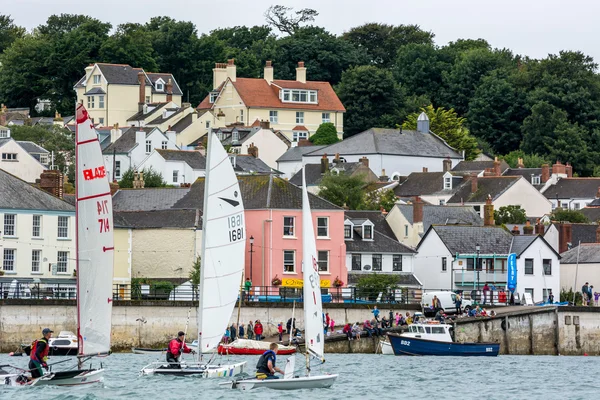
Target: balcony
{"type": "Point", "coordinates": [469, 278]}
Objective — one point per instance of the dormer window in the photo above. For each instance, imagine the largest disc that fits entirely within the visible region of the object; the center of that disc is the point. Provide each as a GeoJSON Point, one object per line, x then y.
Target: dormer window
{"type": "Point", "coordinates": [160, 85]}
{"type": "Point", "coordinates": [367, 232]}
{"type": "Point", "coordinates": [4, 133]}
{"type": "Point", "coordinates": [235, 136]}
{"type": "Point", "coordinates": [97, 79]}
{"type": "Point", "coordinates": [213, 97]}
{"type": "Point", "coordinates": [447, 181]}
{"type": "Point", "coordinates": [347, 231]}
{"type": "Point", "coordinates": [535, 180]}
{"type": "Point", "coordinates": [298, 96]}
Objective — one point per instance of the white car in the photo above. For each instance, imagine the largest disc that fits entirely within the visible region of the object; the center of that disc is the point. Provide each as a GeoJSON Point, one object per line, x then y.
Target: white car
{"type": "Point", "coordinates": [447, 301]}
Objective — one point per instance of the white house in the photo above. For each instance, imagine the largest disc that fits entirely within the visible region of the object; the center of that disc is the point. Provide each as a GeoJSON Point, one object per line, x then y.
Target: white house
{"type": "Point", "coordinates": [582, 264]}
{"type": "Point", "coordinates": [17, 160]}
{"type": "Point", "coordinates": [290, 162]}
{"type": "Point", "coordinates": [465, 258]}
{"type": "Point", "coordinates": [177, 166]}
{"type": "Point", "coordinates": [38, 235]}
{"type": "Point", "coordinates": [129, 148]}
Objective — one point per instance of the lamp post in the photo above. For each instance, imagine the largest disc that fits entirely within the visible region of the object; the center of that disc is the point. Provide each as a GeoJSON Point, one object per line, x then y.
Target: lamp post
{"type": "Point", "coordinates": [251, 251]}
{"type": "Point", "coordinates": [477, 250]}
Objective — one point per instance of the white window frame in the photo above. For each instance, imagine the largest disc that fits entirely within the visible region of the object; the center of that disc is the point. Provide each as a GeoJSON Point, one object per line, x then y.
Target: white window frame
{"type": "Point", "coordinates": [147, 99]}
{"type": "Point", "coordinates": [91, 102]}
{"type": "Point", "coordinates": [299, 117]}
{"type": "Point", "coordinates": [10, 225]}
{"type": "Point", "coordinates": [207, 124]}
{"type": "Point", "coordinates": [532, 266]}
{"type": "Point", "coordinates": [273, 116]}
{"type": "Point", "coordinates": [235, 136]}
{"type": "Point", "coordinates": [299, 96]}
{"type": "Point", "coordinates": [379, 258]}
{"type": "Point", "coordinates": [148, 146]}
{"type": "Point", "coordinates": [117, 169]}
{"type": "Point", "coordinates": [444, 264]}
{"type": "Point", "coordinates": [326, 227]}
{"type": "Point", "coordinates": [447, 183]}
{"type": "Point", "coordinates": [9, 156]}
{"type": "Point", "coordinates": [213, 96]}
{"type": "Point", "coordinates": [405, 230]}
{"type": "Point", "coordinates": [101, 121]}
{"type": "Point", "coordinates": [175, 176]}
{"type": "Point", "coordinates": [545, 270]}
{"type": "Point", "coordinates": [287, 263]}
{"type": "Point", "coordinates": [36, 261]}
{"type": "Point", "coordinates": [9, 260]}
{"type": "Point", "coordinates": [97, 79]}
{"type": "Point", "coordinates": [325, 117]}
{"type": "Point", "coordinates": [364, 229]}
{"type": "Point", "coordinates": [242, 115]}
{"type": "Point", "coordinates": [323, 257]}
{"type": "Point", "coordinates": [164, 145]}
{"type": "Point", "coordinates": [62, 262]}
{"type": "Point", "coordinates": [397, 263]}
{"type": "Point", "coordinates": [36, 224]}
{"type": "Point", "coordinates": [348, 237]}
{"type": "Point", "coordinates": [299, 135]}
{"type": "Point", "coordinates": [63, 227]}
{"type": "Point", "coordinates": [354, 258]}
{"type": "Point", "coordinates": [160, 86]}
{"type": "Point", "coordinates": [101, 101]}
{"type": "Point", "coordinates": [536, 180]}
{"type": "Point", "coordinates": [291, 229]}
{"type": "Point", "coordinates": [3, 133]}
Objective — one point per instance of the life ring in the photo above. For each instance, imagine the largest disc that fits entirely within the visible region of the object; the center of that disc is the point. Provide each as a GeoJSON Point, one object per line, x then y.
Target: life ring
{"type": "Point", "coordinates": [503, 325]}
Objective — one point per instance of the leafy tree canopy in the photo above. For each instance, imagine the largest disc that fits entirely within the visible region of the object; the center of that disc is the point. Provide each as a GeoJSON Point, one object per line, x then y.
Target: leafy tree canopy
{"type": "Point", "coordinates": [510, 215]}
{"type": "Point", "coordinates": [343, 190]}
{"type": "Point", "coordinates": [286, 20]}
{"type": "Point", "coordinates": [326, 134]}
{"type": "Point", "coordinates": [573, 216]}
{"type": "Point", "coordinates": [152, 178]}
{"type": "Point", "coordinates": [369, 286]}
{"type": "Point", "coordinates": [529, 160]}
{"type": "Point", "coordinates": [9, 32]}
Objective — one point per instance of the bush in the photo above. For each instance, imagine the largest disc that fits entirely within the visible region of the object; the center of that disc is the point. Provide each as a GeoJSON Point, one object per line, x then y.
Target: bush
{"type": "Point", "coordinates": [326, 134]}
{"type": "Point", "coordinates": [572, 216]}
{"type": "Point", "coordinates": [568, 296]}
{"type": "Point", "coordinates": [152, 178]}
{"type": "Point", "coordinates": [371, 285]}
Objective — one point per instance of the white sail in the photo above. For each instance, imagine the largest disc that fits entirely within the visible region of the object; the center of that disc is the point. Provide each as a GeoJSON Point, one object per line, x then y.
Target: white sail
{"type": "Point", "coordinates": [223, 246]}
{"type": "Point", "coordinates": [313, 309]}
{"type": "Point", "coordinates": [94, 244]}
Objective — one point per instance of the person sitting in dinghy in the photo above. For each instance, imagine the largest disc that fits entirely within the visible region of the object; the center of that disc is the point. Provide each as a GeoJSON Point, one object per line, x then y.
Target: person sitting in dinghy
{"type": "Point", "coordinates": [176, 347]}
{"type": "Point", "coordinates": [39, 354]}
{"type": "Point", "coordinates": [265, 368]}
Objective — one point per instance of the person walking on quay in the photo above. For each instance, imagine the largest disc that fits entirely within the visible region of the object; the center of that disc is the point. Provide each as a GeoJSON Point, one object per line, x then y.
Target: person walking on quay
{"type": "Point", "coordinates": [486, 291]}
{"type": "Point", "coordinates": [550, 297]}
{"type": "Point", "coordinates": [247, 288]}
{"type": "Point", "coordinates": [39, 354]}
{"type": "Point", "coordinates": [591, 295]}
{"type": "Point", "coordinates": [596, 297]}
{"type": "Point", "coordinates": [280, 330]}
{"type": "Point", "coordinates": [258, 330]}
{"type": "Point", "coordinates": [331, 324]}
{"type": "Point", "coordinates": [458, 304]}
{"type": "Point", "coordinates": [250, 330]}
{"type": "Point", "coordinates": [585, 294]}
{"type": "Point", "coordinates": [232, 332]}
{"type": "Point", "coordinates": [176, 347]}
{"type": "Point", "coordinates": [375, 312]}
{"type": "Point", "coordinates": [241, 331]}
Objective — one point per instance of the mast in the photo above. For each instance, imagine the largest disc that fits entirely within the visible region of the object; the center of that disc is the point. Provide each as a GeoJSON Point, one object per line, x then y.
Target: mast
{"type": "Point", "coordinates": [77, 188]}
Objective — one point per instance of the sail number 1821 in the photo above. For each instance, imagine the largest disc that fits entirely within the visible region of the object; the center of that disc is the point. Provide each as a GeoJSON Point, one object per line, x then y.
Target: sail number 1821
{"type": "Point", "coordinates": [236, 228]}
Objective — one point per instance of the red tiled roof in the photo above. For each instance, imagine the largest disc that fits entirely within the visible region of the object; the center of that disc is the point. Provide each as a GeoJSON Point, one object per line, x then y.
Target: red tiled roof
{"type": "Point", "coordinates": [300, 128]}
{"type": "Point", "coordinates": [255, 124]}
{"type": "Point", "coordinates": [257, 93]}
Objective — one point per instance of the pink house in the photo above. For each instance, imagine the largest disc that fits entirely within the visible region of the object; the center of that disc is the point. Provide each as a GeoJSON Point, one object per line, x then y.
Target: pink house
{"type": "Point", "coordinates": [274, 221]}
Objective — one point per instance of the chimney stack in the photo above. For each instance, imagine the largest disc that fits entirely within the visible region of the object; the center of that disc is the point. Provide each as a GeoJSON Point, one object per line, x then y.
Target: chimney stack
{"type": "Point", "coordinates": [324, 164]}
{"type": "Point", "coordinates": [488, 212]}
{"type": "Point", "coordinates": [423, 123]}
{"type": "Point", "coordinates": [473, 182]}
{"type": "Point", "coordinates": [545, 173]}
{"type": "Point", "coordinates": [142, 82]}
{"type": "Point", "coordinates": [268, 73]}
{"type": "Point", "coordinates": [425, 169]}
{"type": "Point", "coordinates": [559, 169]}
{"type": "Point", "coordinates": [515, 231]}
{"type": "Point", "coordinates": [138, 180]}
{"type": "Point", "coordinates": [51, 181]}
{"type": "Point", "coordinates": [497, 171]}
{"type": "Point", "coordinates": [417, 210]}
{"type": "Point", "coordinates": [219, 74]}
{"type": "Point", "coordinates": [520, 163]}
{"type": "Point", "coordinates": [114, 187]}
{"type": "Point", "coordinates": [231, 69]}
{"type": "Point", "coordinates": [365, 161]}
{"type": "Point", "coordinates": [169, 90]}
{"type": "Point", "coordinates": [569, 170]}
{"type": "Point", "coordinates": [265, 124]}
{"type": "Point", "coordinates": [301, 72]}
{"type": "Point", "coordinates": [539, 227]}
{"type": "Point", "coordinates": [527, 229]}
{"type": "Point", "coordinates": [447, 164]}
{"type": "Point", "coordinates": [304, 143]}
{"type": "Point", "coordinates": [115, 133]}
{"type": "Point", "coordinates": [253, 150]}
{"type": "Point", "coordinates": [383, 177]}
{"type": "Point", "coordinates": [565, 236]}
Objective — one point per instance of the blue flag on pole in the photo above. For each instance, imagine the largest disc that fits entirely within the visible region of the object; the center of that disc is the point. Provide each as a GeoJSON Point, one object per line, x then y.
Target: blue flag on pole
{"type": "Point", "coordinates": [512, 272]}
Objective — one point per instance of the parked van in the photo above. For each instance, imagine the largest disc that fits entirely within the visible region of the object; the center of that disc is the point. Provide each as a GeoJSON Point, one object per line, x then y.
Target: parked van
{"type": "Point", "coordinates": [447, 302]}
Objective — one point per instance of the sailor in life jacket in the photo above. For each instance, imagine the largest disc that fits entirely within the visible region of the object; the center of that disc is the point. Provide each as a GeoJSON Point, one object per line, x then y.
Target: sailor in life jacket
{"type": "Point", "coordinates": [265, 368]}
{"type": "Point", "coordinates": [39, 354]}
{"type": "Point", "coordinates": [176, 347]}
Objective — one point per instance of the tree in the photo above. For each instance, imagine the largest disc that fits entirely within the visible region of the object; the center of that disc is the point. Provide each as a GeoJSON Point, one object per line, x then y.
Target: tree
{"type": "Point", "coordinates": [369, 286]}
{"type": "Point", "coordinates": [152, 178]}
{"type": "Point", "coordinates": [529, 160]}
{"type": "Point", "coordinates": [573, 216]}
{"type": "Point", "coordinates": [539, 127]}
{"type": "Point", "coordinates": [288, 21]}
{"type": "Point", "coordinates": [376, 199]}
{"type": "Point", "coordinates": [343, 190]}
{"type": "Point", "coordinates": [510, 215]}
{"type": "Point", "coordinates": [449, 126]}
{"type": "Point", "coordinates": [326, 134]}
{"type": "Point", "coordinates": [195, 276]}
{"type": "Point", "coordinates": [370, 95]}
{"type": "Point", "coordinates": [53, 138]}
{"type": "Point", "coordinates": [382, 41]}
{"type": "Point", "coordinates": [9, 32]}
{"type": "Point", "coordinates": [130, 44]}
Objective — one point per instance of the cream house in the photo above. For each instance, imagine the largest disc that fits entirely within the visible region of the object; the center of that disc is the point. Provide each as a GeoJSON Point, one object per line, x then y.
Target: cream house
{"type": "Point", "coordinates": [296, 108]}
{"type": "Point", "coordinates": [112, 93]}
{"type": "Point", "coordinates": [580, 265]}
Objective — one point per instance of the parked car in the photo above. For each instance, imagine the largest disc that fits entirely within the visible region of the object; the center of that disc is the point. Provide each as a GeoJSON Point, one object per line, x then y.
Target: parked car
{"type": "Point", "coordinates": [447, 302]}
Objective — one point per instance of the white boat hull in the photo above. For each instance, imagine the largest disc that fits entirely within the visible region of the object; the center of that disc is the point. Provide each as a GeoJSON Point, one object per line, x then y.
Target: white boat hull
{"type": "Point", "coordinates": [202, 370]}
{"type": "Point", "coordinates": [304, 382]}
{"type": "Point", "coordinates": [67, 378]}
{"type": "Point", "coordinates": [386, 348]}
{"type": "Point", "coordinates": [137, 350]}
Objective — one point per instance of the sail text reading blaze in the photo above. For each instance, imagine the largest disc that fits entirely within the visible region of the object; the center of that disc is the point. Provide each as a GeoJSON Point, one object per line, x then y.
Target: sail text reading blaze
{"type": "Point", "coordinates": [94, 173]}
{"type": "Point", "coordinates": [102, 207]}
{"type": "Point", "coordinates": [236, 227]}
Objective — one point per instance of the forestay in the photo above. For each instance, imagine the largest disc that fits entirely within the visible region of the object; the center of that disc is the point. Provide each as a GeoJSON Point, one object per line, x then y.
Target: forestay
{"type": "Point", "coordinates": [94, 241]}
{"type": "Point", "coordinates": [223, 246]}
{"type": "Point", "coordinates": [313, 310]}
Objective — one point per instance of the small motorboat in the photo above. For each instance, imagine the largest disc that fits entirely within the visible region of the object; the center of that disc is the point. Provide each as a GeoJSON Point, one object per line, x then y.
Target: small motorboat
{"type": "Point", "coordinates": [140, 350]}
{"type": "Point", "coordinates": [385, 347]}
{"type": "Point", "coordinates": [65, 344]}
{"type": "Point", "coordinates": [434, 339]}
{"type": "Point", "coordinates": [252, 348]}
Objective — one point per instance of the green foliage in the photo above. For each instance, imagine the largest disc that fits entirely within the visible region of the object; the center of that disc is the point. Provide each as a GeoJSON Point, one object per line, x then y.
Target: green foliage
{"type": "Point", "coordinates": [152, 178]}
{"type": "Point", "coordinates": [569, 296]}
{"type": "Point", "coordinates": [195, 275]}
{"type": "Point", "coordinates": [288, 21]}
{"type": "Point", "coordinates": [53, 138]}
{"type": "Point", "coordinates": [376, 200]}
{"type": "Point", "coordinates": [573, 216]}
{"type": "Point", "coordinates": [130, 44]}
{"type": "Point", "coordinates": [369, 286]}
{"type": "Point", "coordinates": [529, 160]}
{"type": "Point", "coordinates": [9, 32]}
{"type": "Point", "coordinates": [510, 215]}
{"type": "Point", "coordinates": [449, 126]}
{"type": "Point", "coordinates": [326, 134]}
{"type": "Point", "coordinates": [161, 289]}
{"type": "Point", "coordinates": [343, 190]}
{"type": "Point", "coordinates": [370, 95]}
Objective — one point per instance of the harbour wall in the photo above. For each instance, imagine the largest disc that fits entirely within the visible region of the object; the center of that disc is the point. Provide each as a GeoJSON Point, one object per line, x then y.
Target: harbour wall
{"type": "Point", "coordinates": [153, 323]}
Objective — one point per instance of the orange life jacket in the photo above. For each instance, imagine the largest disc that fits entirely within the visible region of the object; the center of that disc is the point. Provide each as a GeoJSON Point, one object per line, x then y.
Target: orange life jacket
{"type": "Point", "coordinates": [34, 349]}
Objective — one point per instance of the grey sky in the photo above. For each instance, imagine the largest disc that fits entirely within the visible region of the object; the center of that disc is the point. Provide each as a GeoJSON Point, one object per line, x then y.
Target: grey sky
{"type": "Point", "coordinates": [530, 27]}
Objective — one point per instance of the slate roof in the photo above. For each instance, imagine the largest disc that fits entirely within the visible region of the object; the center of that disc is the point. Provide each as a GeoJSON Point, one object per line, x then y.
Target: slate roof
{"type": "Point", "coordinates": [70, 198]}
{"type": "Point", "coordinates": [158, 219]}
{"type": "Point", "coordinates": [426, 183]}
{"type": "Point", "coordinates": [160, 119]}
{"type": "Point", "coordinates": [183, 123]}
{"type": "Point", "coordinates": [589, 253]}
{"type": "Point", "coordinates": [260, 192]}
{"type": "Point", "coordinates": [96, 90]}
{"type": "Point", "coordinates": [521, 243]}
{"type": "Point", "coordinates": [296, 153]}
{"type": "Point", "coordinates": [478, 166]}
{"type": "Point", "coordinates": [463, 239]}
{"type": "Point", "coordinates": [573, 188]}
{"type": "Point", "coordinates": [383, 237]}
{"type": "Point", "coordinates": [313, 175]}
{"type": "Point", "coordinates": [376, 217]}
{"type": "Point", "coordinates": [594, 203]}
{"type": "Point", "coordinates": [154, 76]}
{"type": "Point", "coordinates": [524, 172]}
{"type": "Point", "coordinates": [147, 199]}
{"type": "Point", "coordinates": [488, 185]}
{"type": "Point", "coordinates": [140, 116]}
{"type": "Point", "coordinates": [31, 147]}
{"type": "Point", "coordinates": [586, 233]}
{"type": "Point", "coordinates": [18, 194]}
{"type": "Point", "coordinates": [393, 142]}
{"type": "Point", "coordinates": [442, 215]}
{"type": "Point", "coordinates": [250, 164]}
{"type": "Point", "coordinates": [257, 93]}
{"type": "Point", "coordinates": [191, 157]}
{"type": "Point", "coordinates": [126, 142]}
{"type": "Point", "coordinates": [591, 213]}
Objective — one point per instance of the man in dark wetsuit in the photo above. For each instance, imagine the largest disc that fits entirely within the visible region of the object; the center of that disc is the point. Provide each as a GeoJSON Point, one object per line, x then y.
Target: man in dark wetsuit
{"type": "Point", "coordinates": [176, 347]}
{"type": "Point", "coordinates": [39, 354]}
{"type": "Point", "coordinates": [265, 368]}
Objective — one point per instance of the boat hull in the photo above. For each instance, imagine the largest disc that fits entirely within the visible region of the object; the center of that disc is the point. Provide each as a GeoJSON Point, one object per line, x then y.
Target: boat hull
{"type": "Point", "coordinates": [410, 346]}
{"type": "Point", "coordinates": [386, 348]}
{"type": "Point", "coordinates": [305, 382]}
{"type": "Point", "coordinates": [70, 378]}
{"type": "Point", "coordinates": [238, 351]}
{"type": "Point", "coordinates": [197, 369]}
{"type": "Point", "coordinates": [138, 350]}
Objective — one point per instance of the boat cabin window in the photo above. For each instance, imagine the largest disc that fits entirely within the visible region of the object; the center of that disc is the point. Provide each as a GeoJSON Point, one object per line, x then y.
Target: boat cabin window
{"type": "Point", "coordinates": [437, 329]}
{"type": "Point", "coordinates": [61, 342]}
{"type": "Point", "coordinates": [427, 329]}
{"type": "Point", "coordinates": [421, 330]}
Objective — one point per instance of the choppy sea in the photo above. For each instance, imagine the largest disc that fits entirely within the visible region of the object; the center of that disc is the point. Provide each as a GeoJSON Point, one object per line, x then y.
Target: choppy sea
{"type": "Point", "coordinates": [362, 376]}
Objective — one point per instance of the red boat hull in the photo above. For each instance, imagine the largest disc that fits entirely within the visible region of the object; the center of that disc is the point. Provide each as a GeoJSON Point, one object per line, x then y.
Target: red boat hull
{"type": "Point", "coordinates": [249, 352]}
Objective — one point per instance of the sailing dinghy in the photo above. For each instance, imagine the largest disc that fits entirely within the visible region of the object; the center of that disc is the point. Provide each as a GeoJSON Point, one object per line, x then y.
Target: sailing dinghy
{"type": "Point", "coordinates": [223, 252]}
{"type": "Point", "coordinates": [313, 319]}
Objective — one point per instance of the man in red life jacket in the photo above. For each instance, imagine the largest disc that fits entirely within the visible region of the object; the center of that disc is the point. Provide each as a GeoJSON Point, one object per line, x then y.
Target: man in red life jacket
{"type": "Point", "coordinates": [176, 347]}
{"type": "Point", "coordinates": [39, 354]}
